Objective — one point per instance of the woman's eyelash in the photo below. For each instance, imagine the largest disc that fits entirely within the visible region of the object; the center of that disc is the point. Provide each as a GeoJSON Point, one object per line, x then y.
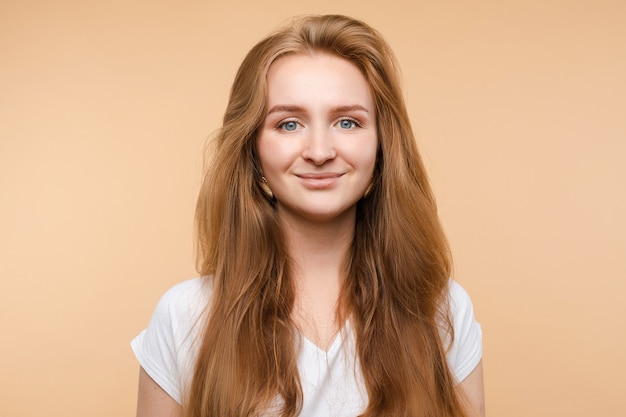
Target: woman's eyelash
{"type": "Point", "coordinates": [355, 122]}
{"type": "Point", "coordinates": [283, 124]}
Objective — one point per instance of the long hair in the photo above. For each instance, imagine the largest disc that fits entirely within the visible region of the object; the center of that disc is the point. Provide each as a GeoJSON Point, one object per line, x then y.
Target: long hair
{"type": "Point", "coordinates": [396, 271]}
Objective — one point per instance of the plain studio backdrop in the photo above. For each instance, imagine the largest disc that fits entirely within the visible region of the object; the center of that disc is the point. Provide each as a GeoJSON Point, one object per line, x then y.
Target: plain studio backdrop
{"type": "Point", "coordinates": [519, 109]}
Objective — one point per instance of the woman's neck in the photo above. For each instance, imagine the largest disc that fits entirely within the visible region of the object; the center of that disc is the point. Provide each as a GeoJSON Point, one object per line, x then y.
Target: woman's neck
{"type": "Point", "coordinates": [318, 251]}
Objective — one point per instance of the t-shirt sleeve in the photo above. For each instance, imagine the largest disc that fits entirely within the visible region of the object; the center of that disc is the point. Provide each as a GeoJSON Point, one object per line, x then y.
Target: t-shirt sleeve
{"type": "Point", "coordinates": [163, 349]}
{"type": "Point", "coordinates": [466, 350]}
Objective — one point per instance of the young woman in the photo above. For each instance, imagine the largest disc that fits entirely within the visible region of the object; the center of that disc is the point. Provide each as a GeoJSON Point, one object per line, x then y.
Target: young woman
{"type": "Point", "coordinates": [325, 286]}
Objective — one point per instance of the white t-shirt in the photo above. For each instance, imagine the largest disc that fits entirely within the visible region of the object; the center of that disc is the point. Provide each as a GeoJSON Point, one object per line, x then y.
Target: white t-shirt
{"type": "Point", "coordinates": [331, 380]}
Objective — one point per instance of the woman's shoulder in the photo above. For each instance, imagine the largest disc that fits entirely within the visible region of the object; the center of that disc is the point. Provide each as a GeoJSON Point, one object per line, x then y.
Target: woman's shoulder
{"type": "Point", "coordinates": [460, 306]}
{"type": "Point", "coordinates": [458, 296]}
{"type": "Point", "coordinates": [165, 349]}
{"type": "Point", "coordinates": [185, 301]}
{"type": "Point", "coordinates": [188, 290]}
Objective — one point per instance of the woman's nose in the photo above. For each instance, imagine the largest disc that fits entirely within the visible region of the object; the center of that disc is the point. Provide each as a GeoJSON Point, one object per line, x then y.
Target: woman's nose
{"type": "Point", "coordinates": [318, 146]}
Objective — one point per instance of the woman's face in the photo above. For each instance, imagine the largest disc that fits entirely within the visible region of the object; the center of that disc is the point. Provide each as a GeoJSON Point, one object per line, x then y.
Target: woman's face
{"type": "Point", "coordinates": [318, 143]}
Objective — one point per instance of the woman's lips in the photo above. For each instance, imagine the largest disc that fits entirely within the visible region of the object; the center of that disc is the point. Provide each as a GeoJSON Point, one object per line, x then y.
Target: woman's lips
{"type": "Point", "coordinates": [319, 181]}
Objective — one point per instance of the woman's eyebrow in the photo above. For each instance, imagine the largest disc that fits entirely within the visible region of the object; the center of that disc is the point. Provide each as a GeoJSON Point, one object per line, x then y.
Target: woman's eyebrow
{"type": "Point", "coordinates": [353, 107]}
{"type": "Point", "coordinates": [286, 108]}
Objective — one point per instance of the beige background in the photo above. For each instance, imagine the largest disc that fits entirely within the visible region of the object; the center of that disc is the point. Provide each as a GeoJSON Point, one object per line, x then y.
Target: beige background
{"type": "Point", "coordinates": [519, 107]}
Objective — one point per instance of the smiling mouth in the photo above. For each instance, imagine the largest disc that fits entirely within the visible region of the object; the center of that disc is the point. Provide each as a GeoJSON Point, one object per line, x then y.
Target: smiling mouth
{"type": "Point", "coordinates": [319, 181]}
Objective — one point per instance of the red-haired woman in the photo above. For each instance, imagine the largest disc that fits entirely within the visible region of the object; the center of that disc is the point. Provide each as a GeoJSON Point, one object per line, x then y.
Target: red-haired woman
{"type": "Point", "coordinates": [325, 286]}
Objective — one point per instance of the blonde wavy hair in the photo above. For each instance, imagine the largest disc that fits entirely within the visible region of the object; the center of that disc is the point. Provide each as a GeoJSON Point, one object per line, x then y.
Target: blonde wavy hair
{"type": "Point", "coordinates": [397, 270]}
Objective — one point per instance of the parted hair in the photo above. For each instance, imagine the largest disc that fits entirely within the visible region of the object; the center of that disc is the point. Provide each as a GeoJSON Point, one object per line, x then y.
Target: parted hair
{"type": "Point", "coordinates": [396, 272]}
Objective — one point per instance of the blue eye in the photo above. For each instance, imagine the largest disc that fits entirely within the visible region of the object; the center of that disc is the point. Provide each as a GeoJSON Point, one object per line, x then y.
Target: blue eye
{"type": "Point", "coordinates": [347, 124]}
{"type": "Point", "coordinates": [289, 126]}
